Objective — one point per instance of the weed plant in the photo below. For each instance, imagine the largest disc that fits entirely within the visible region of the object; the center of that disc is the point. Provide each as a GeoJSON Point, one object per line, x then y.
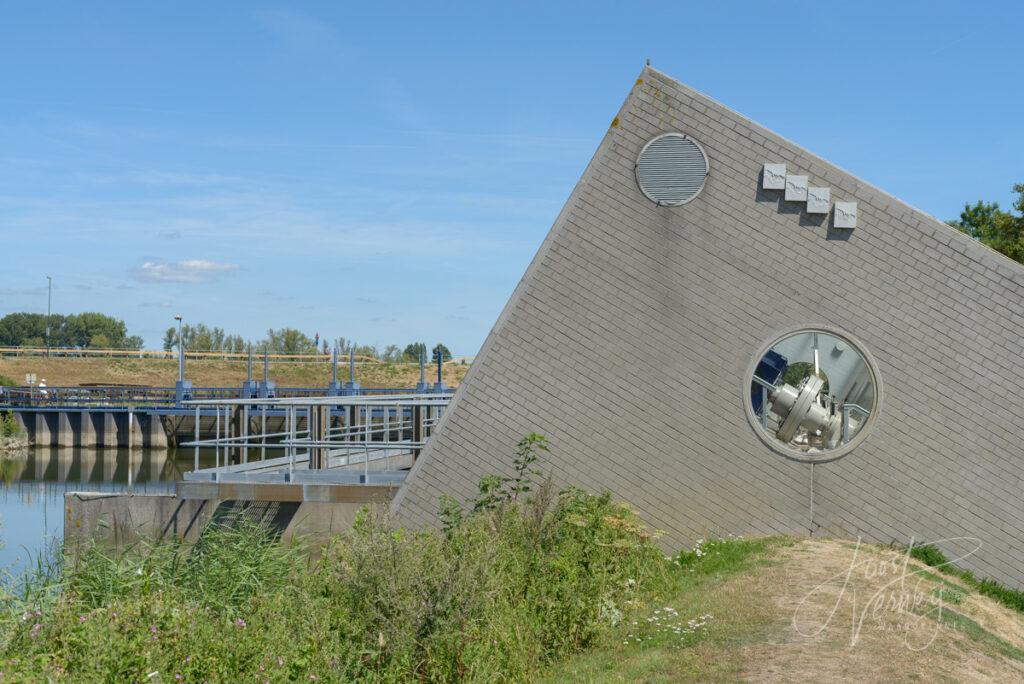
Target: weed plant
{"type": "Point", "coordinates": [520, 577]}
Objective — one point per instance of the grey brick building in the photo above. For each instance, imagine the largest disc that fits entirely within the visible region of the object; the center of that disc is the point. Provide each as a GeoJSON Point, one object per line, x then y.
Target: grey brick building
{"type": "Point", "coordinates": [632, 338]}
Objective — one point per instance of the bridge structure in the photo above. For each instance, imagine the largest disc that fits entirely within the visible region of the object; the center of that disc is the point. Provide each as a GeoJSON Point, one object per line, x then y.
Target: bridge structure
{"type": "Point", "coordinates": [122, 416]}
{"type": "Point", "coordinates": [320, 449]}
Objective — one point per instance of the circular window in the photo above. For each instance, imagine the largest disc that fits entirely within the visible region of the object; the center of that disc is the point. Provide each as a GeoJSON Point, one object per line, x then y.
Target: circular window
{"type": "Point", "coordinates": [671, 169]}
{"type": "Point", "coordinates": [812, 394]}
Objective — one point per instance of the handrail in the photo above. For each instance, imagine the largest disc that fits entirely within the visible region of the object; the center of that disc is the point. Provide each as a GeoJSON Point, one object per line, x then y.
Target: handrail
{"type": "Point", "coordinates": [63, 352]}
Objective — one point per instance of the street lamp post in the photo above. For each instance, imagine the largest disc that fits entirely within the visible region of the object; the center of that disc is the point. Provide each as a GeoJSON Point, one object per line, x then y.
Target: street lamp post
{"type": "Point", "coordinates": [183, 388]}
{"type": "Point", "coordinates": [181, 351]}
{"type": "Point", "coordinates": [49, 300]}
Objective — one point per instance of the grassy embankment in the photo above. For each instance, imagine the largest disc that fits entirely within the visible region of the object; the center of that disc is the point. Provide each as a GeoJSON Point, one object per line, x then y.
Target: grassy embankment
{"type": "Point", "coordinates": [524, 584]}
{"type": "Point", "coordinates": [214, 373]}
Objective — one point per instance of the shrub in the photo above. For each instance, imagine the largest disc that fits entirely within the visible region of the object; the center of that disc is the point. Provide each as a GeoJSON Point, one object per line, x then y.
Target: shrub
{"type": "Point", "coordinates": [8, 425]}
{"type": "Point", "coordinates": [929, 554]}
{"type": "Point", "coordinates": [6, 381]}
{"type": "Point", "coordinates": [525, 575]}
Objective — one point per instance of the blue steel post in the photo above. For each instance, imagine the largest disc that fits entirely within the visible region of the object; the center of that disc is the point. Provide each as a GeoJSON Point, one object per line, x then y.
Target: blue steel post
{"type": "Point", "coordinates": [422, 385]}
{"type": "Point", "coordinates": [266, 388]}
{"type": "Point", "coordinates": [351, 387]}
{"type": "Point", "coordinates": [439, 387]}
{"type": "Point", "coordinates": [334, 388]}
{"type": "Point", "coordinates": [250, 389]}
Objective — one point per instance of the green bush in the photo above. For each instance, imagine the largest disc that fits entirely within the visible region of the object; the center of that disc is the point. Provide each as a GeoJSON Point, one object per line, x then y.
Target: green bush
{"type": "Point", "coordinates": [6, 381]}
{"type": "Point", "coordinates": [8, 425]}
{"type": "Point", "coordinates": [526, 575]}
{"type": "Point", "coordinates": [929, 554]}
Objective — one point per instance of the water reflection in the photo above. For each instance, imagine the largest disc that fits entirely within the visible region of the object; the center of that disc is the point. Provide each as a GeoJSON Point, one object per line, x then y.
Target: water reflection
{"type": "Point", "coordinates": [33, 484]}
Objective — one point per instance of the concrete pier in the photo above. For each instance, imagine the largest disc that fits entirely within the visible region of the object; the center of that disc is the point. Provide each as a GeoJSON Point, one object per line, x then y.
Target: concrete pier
{"type": "Point", "coordinates": [109, 438]}
{"type": "Point", "coordinates": [86, 430]}
{"type": "Point", "coordinates": [41, 435]}
{"type": "Point", "coordinates": [74, 427]}
{"type": "Point", "coordinates": [65, 434]}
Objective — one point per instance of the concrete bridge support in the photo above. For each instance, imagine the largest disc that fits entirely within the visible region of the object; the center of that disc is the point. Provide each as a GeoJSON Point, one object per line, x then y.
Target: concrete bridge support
{"type": "Point", "coordinates": [153, 434]}
{"type": "Point", "coordinates": [19, 418]}
{"type": "Point", "coordinates": [109, 436]}
{"type": "Point", "coordinates": [42, 434]}
{"type": "Point", "coordinates": [65, 436]}
{"type": "Point", "coordinates": [108, 428]}
{"type": "Point", "coordinates": [86, 429]}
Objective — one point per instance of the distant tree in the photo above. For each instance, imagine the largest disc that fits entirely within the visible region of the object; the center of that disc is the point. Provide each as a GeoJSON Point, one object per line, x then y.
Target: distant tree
{"type": "Point", "coordinates": [170, 339]}
{"type": "Point", "coordinates": [990, 225]}
{"type": "Point", "coordinates": [235, 343]}
{"type": "Point", "coordinates": [367, 350]}
{"type": "Point", "coordinates": [288, 341]}
{"type": "Point", "coordinates": [200, 337]}
{"type": "Point", "coordinates": [16, 328]}
{"type": "Point", "coordinates": [82, 329]}
{"type": "Point", "coordinates": [99, 341]}
{"type": "Point", "coordinates": [445, 354]}
{"type": "Point", "coordinates": [392, 353]}
{"type": "Point", "coordinates": [75, 330]}
{"type": "Point", "coordinates": [343, 345]}
{"type": "Point", "coordinates": [412, 351]}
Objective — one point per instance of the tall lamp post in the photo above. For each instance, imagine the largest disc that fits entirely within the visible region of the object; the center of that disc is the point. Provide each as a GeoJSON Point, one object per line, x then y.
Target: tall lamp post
{"type": "Point", "coordinates": [183, 388]}
{"type": "Point", "coordinates": [49, 299]}
{"type": "Point", "coordinates": [181, 351]}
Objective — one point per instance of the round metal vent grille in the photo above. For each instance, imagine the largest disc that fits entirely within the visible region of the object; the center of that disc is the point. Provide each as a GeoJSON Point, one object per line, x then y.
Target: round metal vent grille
{"type": "Point", "coordinates": [671, 169]}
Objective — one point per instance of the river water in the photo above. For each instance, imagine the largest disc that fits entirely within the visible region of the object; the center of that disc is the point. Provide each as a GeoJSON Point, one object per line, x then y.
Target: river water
{"type": "Point", "coordinates": [32, 488]}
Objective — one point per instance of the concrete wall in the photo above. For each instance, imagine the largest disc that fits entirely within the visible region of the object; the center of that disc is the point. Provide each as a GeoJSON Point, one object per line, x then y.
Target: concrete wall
{"type": "Point", "coordinates": [628, 340]}
{"type": "Point", "coordinates": [118, 520]}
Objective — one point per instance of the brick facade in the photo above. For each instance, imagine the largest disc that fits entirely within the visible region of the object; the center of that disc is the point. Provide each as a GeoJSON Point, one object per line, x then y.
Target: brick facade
{"type": "Point", "coordinates": [628, 340]}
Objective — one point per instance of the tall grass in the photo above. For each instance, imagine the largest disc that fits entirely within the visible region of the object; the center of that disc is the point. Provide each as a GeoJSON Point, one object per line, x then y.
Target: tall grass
{"type": "Point", "coordinates": [524, 576]}
{"type": "Point", "coordinates": [931, 555]}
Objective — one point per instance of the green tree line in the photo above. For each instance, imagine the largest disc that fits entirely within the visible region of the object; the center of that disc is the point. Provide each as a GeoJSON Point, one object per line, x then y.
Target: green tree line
{"type": "Point", "coordinates": [1001, 230]}
{"type": "Point", "coordinates": [201, 337]}
{"type": "Point", "coordinates": [89, 329]}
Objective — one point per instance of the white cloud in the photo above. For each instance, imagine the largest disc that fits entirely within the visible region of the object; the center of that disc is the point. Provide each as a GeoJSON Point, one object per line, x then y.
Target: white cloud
{"type": "Point", "coordinates": [188, 271]}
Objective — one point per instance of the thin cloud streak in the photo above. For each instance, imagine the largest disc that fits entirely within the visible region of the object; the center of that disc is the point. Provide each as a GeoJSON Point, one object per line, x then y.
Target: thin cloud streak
{"type": "Point", "coordinates": [188, 271]}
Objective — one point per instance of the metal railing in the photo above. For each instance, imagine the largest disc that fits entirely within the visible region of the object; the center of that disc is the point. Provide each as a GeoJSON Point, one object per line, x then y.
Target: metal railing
{"type": "Point", "coordinates": [90, 352]}
{"type": "Point", "coordinates": [122, 396]}
{"type": "Point", "coordinates": [283, 434]}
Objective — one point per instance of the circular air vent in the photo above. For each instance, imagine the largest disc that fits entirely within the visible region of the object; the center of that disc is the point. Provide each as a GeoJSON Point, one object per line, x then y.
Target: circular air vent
{"type": "Point", "coordinates": [671, 169]}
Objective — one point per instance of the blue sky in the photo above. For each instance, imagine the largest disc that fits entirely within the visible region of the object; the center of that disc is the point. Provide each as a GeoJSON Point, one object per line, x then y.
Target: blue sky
{"type": "Point", "coordinates": [385, 172]}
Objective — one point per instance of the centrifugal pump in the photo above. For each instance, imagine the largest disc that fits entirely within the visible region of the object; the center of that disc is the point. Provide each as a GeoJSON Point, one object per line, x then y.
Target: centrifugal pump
{"type": "Point", "coordinates": [805, 407]}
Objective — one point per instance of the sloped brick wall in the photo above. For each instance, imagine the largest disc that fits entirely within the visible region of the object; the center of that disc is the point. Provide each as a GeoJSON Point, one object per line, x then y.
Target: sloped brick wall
{"type": "Point", "coordinates": [627, 341]}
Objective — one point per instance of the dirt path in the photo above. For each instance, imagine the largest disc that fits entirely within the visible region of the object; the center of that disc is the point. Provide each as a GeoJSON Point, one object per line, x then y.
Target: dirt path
{"type": "Point", "coordinates": [848, 613]}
